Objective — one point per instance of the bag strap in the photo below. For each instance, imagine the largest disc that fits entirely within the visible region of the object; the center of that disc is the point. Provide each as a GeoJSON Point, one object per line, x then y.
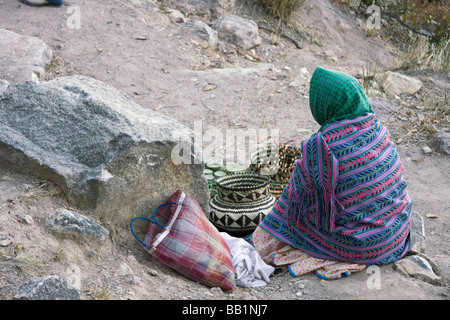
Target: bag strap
{"type": "Point", "coordinates": [150, 220]}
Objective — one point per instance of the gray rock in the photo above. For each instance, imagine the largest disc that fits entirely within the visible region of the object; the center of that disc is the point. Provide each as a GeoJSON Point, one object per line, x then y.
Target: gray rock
{"type": "Point", "coordinates": [27, 219]}
{"type": "Point", "coordinates": [69, 223]}
{"type": "Point", "coordinates": [442, 142]}
{"type": "Point", "coordinates": [22, 58]}
{"type": "Point", "coordinates": [396, 83]}
{"type": "Point", "coordinates": [421, 267]}
{"type": "Point", "coordinates": [48, 288]}
{"type": "Point", "coordinates": [107, 153]}
{"type": "Point", "coordinates": [238, 31]}
{"type": "Point", "coordinates": [198, 30]}
{"type": "Point", "coordinates": [426, 149]}
{"type": "Point", "coordinates": [417, 234]}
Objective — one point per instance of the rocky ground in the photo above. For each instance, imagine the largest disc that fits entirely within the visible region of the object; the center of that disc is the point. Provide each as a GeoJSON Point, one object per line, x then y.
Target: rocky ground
{"type": "Point", "coordinates": [141, 48]}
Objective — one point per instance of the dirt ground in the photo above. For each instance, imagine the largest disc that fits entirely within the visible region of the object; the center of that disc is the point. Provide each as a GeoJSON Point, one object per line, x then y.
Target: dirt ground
{"type": "Point", "coordinates": [138, 49]}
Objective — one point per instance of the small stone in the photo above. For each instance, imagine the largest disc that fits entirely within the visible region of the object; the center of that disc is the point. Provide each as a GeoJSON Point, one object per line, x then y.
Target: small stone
{"type": "Point", "coordinates": [3, 85]}
{"type": "Point", "coordinates": [5, 242]}
{"type": "Point", "coordinates": [27, 219]}
{"type": "Point", "coordinates": [198, 30]}
{"type": "Point", "coordinates": [427, 150]}
{"type": "Point", "coordinates": [216, 290]}
{"type": "Point", "coordinates": [298, 294]}
{"type": "Point", "coordinates": [69, 223]}
{"type": "Point", "coordinates": [153, 272]}
{"type": "Point", "coordinates": [125, 269]}
{"type": "Point", "coordinates": [176, 16]}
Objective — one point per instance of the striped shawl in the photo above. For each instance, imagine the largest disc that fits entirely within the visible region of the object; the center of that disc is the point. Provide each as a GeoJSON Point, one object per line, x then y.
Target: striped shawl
{"type": "Point", "coordinates": [346, 199]}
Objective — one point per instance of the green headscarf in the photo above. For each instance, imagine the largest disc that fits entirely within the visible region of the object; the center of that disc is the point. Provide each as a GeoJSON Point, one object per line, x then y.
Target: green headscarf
{"type": "Point", "coordinates": [336, 96]}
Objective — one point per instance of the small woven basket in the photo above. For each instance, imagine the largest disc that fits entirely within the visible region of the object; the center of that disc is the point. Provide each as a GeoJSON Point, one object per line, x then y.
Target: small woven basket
{"type": "Point", "coordinates": [277, 162]}
{"type": "Point", "coordinates": [243, 187]}
{"type": "Point", "coordinates": [243, 200]}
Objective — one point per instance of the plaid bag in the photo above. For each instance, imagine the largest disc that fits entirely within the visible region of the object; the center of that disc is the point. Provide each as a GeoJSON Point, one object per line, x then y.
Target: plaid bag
{"type": "Point", "coordinates": [184, 239]}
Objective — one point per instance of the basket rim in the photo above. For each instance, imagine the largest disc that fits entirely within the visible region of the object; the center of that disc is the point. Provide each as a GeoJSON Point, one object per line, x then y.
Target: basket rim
{"type": "Point", "coordinates": [262, 181]}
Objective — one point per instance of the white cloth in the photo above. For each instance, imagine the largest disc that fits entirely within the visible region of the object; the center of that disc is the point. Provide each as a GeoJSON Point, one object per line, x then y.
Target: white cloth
{"type": "Point", "coordinates": [249, 269]}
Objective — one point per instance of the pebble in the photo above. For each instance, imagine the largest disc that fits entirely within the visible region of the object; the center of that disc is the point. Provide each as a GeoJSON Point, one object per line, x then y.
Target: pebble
{"type": "Point", "coordinates": [5, 242]}
{"type": "Point", "coordinates": [417, 158]}
{"type": "Point", "coordinates": [153, 272]}
{"type": "Point", "coordinates": [427, 150]}
{"type": "Point", "coordinates": [27, 219]}
{"type": "Point", "coordinates": [216, 290]}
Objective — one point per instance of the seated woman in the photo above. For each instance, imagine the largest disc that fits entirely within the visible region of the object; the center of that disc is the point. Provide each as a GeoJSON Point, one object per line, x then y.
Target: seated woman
{"type": "Point", "coordinates": [346, 205]}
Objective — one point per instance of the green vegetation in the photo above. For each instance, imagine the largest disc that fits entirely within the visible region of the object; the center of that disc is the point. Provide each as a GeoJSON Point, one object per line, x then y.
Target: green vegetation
{"type": "Point", "coordinates": [422, 54]}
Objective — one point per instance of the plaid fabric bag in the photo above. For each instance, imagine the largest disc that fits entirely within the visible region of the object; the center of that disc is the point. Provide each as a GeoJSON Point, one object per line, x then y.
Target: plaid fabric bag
{"type": "Point", "coordinates": [183, 238]}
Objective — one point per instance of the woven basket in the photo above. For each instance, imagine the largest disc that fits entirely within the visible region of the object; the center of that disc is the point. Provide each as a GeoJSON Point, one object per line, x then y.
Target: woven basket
{"type": "Point", "coordinates": [277, 162]}
{"type": "Point", "coordinates": [243, 187]}
{"type": "Point", "coordinates": [243, 200]}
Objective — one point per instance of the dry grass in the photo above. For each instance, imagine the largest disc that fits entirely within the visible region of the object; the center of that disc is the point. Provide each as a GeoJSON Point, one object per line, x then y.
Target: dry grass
{"type": "Point", "coordinates": [99, 293]}
{"type": "Point", "coordinates": [423, 54]}
{"type": "Point", "coordinates": [282, 9]}
{"type": "Point", "coordinates": [27, 261]}
{"type": "Point", "coordinates": [60, 255]}
{"type": "Point", "coordinates": [45, 189]}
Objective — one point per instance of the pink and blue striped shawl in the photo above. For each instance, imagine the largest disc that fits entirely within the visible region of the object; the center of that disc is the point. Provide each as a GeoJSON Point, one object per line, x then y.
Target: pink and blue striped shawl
{"type": "Point", "coordinates": [346, 200]}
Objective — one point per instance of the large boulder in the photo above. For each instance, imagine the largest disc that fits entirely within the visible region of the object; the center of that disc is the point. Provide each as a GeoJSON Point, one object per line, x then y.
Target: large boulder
{"type": "Point", "coordinates": [22, 57]}
{"type": "Point", "coordinates": [396, 83]}
{"type": "Point", "coordinates": [108, 154]}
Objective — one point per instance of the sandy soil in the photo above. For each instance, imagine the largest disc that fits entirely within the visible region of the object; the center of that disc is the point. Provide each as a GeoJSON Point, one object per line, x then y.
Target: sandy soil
{"type": "Point", "coordinates": [140, 51]}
